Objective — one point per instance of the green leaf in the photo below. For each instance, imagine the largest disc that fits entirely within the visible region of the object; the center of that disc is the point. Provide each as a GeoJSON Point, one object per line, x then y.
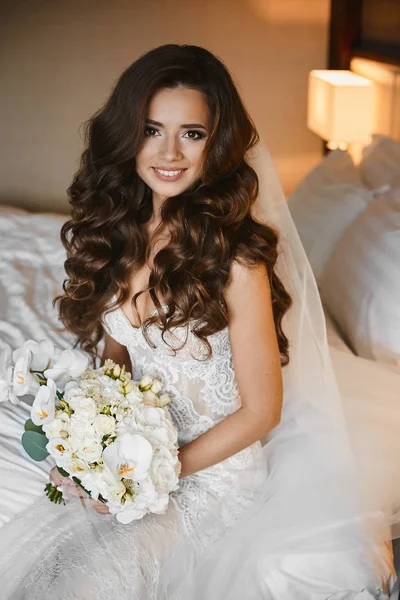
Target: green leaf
{"type": "Point", "coordinates": [62, 472]}
{"type": "Point", "coordinates": [30, 426]}
{"type": "Point", "coordinates": [34, 444]}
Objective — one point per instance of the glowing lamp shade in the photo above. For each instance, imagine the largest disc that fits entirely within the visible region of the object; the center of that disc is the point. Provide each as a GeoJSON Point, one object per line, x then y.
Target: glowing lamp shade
{"type": "Point", "coordinates": [340, 107]}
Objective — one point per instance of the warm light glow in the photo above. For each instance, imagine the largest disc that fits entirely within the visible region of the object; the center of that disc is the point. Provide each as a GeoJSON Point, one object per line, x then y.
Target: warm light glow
{"type": "Point", "coordinates": [307, 12]}
{"type": "Point", "coordinates": [340, 107]}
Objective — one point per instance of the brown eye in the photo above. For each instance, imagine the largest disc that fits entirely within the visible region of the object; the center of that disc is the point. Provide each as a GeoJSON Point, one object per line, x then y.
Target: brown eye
{"type": "Point", "coordinates": [194, 135]}
{"type": "Point", "coordinates": [150, 132]}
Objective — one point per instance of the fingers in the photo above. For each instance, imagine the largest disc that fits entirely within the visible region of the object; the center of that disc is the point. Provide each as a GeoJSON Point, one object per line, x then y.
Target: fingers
{"type": "Point", "coordinates": [99, 507]}
{"type": "Point", "coordinates": [56, 477]}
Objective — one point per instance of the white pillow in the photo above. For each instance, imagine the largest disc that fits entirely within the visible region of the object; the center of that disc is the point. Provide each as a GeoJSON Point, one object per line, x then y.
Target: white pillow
{"type": "Point", "coordinates": [380, 164]}
{"type": "Point", "coordinates": [325, 203]}
{"type": "Point", "coordinates": [361, 283]}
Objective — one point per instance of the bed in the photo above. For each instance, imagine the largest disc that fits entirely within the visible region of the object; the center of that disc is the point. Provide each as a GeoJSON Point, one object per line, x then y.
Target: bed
{"type": "Point", "coordinates": [31, 274]}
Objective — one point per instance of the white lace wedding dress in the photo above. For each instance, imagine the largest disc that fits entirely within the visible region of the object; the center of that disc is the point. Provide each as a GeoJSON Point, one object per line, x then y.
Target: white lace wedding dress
{"type": "Point", "coordinates": [72, 553]}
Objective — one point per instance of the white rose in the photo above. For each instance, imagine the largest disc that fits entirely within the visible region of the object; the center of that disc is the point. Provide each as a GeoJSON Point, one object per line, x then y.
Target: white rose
{"type": "Point", "coordinates": [58, 427]}
{"type": "Point", "coordinates": [78, 466]}
{"type": "Point", "coordinates": [91, 450]}
{"type": "Point", "coordinates": [150, 415]}
{"type": "Point", "coordinates": [156, 386]}
{"type": "Point", "coordinates": [104, 425]}
{"type": "Point", "coordinates": [43, 407]}
{"type": "Point", "coordinates": [84, 408]}
{"type": "Point", "coordinates": [135, 396]}
{"type": "Point", "coordinates": [162, 472]}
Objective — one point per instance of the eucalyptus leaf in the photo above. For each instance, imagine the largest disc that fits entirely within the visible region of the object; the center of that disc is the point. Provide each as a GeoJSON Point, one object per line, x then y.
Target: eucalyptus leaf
{"type": "Point", "coordinates": [34, 444]}
{"type": "Point", "coordinates": [30, 426]}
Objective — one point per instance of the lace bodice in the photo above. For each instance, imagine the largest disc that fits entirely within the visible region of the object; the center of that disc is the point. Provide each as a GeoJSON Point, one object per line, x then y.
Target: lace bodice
{"type": "Point", "coordinates": [203, 390]}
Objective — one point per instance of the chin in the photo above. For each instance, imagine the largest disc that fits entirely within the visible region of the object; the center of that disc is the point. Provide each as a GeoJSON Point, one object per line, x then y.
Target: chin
{"type": "Point", "coordinates": [168, 189]}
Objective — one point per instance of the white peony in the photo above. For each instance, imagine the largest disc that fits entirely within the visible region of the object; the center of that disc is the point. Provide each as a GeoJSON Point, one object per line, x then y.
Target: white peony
{"type": "Point", "coordinates": [71, 363]}
{"type": "Point", "coordinates": [163, 472]}
{"type": "Point", "coordinates": [43, 407]}
{"type": "Point", "coordinates": [84, 408]}
{"type": "Point", "coordinates": [79, 431]}
{"type": "Point", "coordinates": [150, 415]}
{"type": "Point", "coordinates": [104, 425]}
{"type": "Point", "coordinates": [134, 396]}
{"type": "Point", "coordinates": [129, 456]}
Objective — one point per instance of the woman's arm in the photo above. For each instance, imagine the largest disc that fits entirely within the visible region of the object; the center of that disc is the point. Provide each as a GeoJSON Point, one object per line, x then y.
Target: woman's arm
{"type": "Point", "coordinates": [118, 353]}
{"type": "Point", "coordinates": [258, 372]}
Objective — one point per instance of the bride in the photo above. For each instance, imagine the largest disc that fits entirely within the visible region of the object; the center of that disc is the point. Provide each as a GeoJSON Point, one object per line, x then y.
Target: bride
{"type": "Point", "coordinates": [183, 260]}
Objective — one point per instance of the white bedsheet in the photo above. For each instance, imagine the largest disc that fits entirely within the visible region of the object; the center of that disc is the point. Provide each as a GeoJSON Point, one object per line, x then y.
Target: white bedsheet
{"type": "Point", "coordinates": [31, 274]}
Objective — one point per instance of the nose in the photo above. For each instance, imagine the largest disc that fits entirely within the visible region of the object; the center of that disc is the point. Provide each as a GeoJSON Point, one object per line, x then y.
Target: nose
{"type": "Point", "coordinates": [170, 149]}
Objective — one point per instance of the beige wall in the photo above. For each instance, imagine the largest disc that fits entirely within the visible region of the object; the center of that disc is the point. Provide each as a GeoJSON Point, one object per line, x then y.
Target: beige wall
{"type": "Point", "coordinates": [60, 58]}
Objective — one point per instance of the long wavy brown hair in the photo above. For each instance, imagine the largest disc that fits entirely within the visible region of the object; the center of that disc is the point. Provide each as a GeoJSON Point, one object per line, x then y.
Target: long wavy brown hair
{"type": "Point", "coordinates": [210, 223]}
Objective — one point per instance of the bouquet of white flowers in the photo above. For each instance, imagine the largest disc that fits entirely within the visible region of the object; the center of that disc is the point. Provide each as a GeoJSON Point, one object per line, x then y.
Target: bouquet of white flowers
{"type": "Point", "coordinates": [112, 436]}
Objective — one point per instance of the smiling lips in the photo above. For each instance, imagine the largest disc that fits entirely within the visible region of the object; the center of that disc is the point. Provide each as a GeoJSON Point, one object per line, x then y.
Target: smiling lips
{"type": "Point", "coordinates": [168, 174]}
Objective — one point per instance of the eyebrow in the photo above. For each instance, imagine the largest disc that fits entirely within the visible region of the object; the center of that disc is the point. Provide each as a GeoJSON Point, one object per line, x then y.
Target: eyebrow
{"type": "Point", "coordinates": [183, 126]}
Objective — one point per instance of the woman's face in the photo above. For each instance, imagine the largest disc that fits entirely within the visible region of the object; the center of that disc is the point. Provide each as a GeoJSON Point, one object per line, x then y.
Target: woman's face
{"type": "Point", "coordinates": [172, 154]}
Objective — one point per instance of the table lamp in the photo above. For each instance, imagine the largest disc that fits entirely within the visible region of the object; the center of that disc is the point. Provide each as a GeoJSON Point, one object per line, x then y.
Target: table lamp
{"type": "Point", "coordinates": [340, 109]}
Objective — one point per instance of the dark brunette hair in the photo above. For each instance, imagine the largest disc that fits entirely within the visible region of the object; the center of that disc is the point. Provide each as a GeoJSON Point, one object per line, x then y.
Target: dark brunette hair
{"type": "Point", "coordinates": [210, 224]}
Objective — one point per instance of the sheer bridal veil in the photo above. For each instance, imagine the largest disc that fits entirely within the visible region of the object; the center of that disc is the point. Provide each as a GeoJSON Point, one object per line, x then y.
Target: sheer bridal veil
{"type": "Point", "coordinates": [318, 522]}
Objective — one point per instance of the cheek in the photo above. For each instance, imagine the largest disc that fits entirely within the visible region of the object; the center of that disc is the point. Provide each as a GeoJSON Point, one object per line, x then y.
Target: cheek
{"type": "Point", "coordinates": [142, 157]}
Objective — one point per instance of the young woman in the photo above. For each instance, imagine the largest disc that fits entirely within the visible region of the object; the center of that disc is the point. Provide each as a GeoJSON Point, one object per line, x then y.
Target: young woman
{"type": "Point", "coordinates": [175, 261]}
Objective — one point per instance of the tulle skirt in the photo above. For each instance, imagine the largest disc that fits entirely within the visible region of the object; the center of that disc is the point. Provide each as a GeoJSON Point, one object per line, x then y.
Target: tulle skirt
{"type": "Point", "coordinates": [282, 530]}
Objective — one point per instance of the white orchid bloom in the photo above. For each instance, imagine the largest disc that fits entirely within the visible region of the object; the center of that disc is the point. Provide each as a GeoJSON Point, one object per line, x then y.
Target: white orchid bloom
{"type": "Point", "coordinates": [43, 407]}
{"type": "Point", "coordinates": [129, 456]}
{"type": "Point", "coordinates": [71, 363]}
{"type": "Point", "coordinates": [42, 353]}
{"type": "Point", "coordinates": [6, 375]}
{"type": "Point", "coordinates": [23, 381]}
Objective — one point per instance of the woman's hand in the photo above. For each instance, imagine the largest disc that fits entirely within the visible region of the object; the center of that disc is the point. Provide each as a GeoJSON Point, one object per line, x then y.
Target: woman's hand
{"type": "Point", "coordinates": [59, 480]}
{"type": "Point", "coordinates": [99, 507]}
{"type": "Point", "coordinates": [56, 477]}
